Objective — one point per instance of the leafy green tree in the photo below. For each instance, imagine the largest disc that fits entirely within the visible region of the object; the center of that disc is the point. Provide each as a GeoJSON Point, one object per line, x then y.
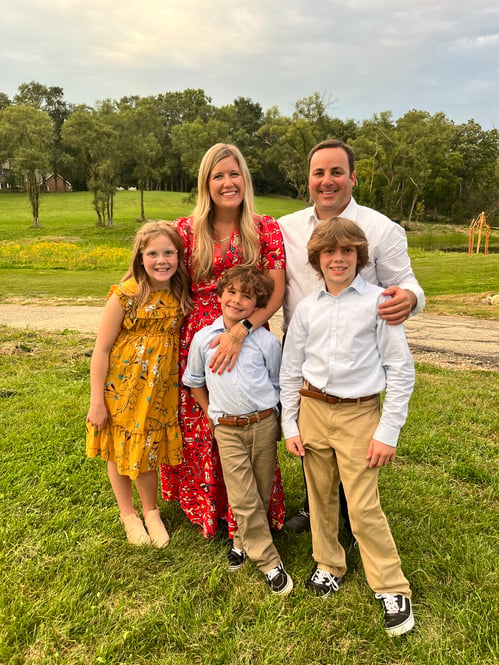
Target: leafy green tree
{"type": "Point", "coordinates": [374, 150]}
{"type": "Point", "coordinates": [192, 139]}
{"type": "Point", "coordinates": [4, 101]}
{"type": "Point", "coordinates": [244, 119]}
{"type": "Point", "coordinates": [143, 133]}
{"type": "Point", "coordinates": [26, 137]}
{"type": "Point", "coordinates": [95, 136]}
{"type": "Point", "coordinates": [479, 181]}
{"type": "Point", "coordinates": [289, 140]}
{"type": "Point", "coordinates": [177, 108]}
{"type": "Point", "coordinates": [405, 163]}
{"type": "Point", "coordinates": [51, 100]}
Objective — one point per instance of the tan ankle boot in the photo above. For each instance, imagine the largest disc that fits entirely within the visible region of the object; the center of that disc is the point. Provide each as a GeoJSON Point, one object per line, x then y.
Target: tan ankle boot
{"type": "Point", "coordinates": [135, 530]}
{"type": "Point", "coordinates": [157, 531]}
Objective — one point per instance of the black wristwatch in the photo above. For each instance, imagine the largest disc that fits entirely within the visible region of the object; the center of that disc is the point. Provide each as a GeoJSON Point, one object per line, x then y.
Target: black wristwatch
{"type": "Point", "coordinates": [247, 324]}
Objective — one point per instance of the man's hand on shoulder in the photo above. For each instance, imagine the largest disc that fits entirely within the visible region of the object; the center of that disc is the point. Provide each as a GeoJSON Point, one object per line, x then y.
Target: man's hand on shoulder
{"type": "Point", "coordinates": [398, 308]}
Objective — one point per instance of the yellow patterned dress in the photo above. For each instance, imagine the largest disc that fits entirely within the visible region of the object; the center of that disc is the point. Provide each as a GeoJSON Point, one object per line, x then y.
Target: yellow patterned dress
{"type": "Point", "coordinates": [141, 389]}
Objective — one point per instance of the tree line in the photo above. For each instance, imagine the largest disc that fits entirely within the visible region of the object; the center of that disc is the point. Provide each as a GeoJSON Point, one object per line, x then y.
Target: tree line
{"type": "Point", "coordinates": [417, 166]}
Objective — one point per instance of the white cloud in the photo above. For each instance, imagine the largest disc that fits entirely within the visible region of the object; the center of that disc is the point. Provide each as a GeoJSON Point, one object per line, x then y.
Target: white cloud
{"type": "Point", "coordinates": [369, 56]}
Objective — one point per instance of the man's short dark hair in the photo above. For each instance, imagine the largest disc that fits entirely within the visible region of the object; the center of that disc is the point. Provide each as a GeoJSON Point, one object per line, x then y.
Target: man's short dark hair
{"type": "Point", "coordinates": [333, 143]}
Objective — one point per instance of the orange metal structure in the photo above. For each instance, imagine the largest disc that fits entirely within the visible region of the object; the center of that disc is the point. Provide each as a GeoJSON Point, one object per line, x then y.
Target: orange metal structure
{"type": "Point", "coordinates": [480, 227]}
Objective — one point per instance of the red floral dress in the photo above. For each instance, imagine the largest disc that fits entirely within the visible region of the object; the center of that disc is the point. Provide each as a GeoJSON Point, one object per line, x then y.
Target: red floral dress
{"type": "Point", "coordinates": [198, 482]}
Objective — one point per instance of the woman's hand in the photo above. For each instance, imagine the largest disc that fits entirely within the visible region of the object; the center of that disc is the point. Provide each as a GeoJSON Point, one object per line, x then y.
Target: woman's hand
{"type": "Point", "coordinates": [229, 345]}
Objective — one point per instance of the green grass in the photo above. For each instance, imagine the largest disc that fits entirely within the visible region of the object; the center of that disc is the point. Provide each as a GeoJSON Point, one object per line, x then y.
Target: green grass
{"type": "Point", "coordinates": [72, 216]}
{"type": "Point", "coordinates": [74, 592]}
{"type": "Point", "coordinates": [68, 257]}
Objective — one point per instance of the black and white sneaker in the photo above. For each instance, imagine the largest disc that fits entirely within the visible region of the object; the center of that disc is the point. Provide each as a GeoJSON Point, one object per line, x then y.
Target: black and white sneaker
{"type": "Point", "coordinates": [322, 582]}
{"type": "Point", "coordinates": [398, 613]}
{"type": "Point", "coordinates": [236, 558]}
{"type": "Point", "coordinates": [279, 581]}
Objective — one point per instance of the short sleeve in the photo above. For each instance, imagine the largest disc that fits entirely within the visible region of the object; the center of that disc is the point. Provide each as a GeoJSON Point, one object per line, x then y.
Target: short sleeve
{"type": "Point", "coordinates": [125, 292]}
{"type": "Point", "coordinates": [185, 231]}
{"type": "Point", "coordinates": [271, 243]}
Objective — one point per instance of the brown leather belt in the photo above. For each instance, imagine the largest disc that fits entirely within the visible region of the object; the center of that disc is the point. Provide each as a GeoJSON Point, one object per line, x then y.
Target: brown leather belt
{"type": "Point", "coordinates": [315, 393]}
{"type": "Point", "coordinates": [245, 419]}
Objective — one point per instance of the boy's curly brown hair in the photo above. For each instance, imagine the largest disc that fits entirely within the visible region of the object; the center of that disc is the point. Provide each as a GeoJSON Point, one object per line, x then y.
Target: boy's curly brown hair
{"type": "Point", "coordinates": [251, 281]}
{"type": "Point", "coordinates": [337, 232]}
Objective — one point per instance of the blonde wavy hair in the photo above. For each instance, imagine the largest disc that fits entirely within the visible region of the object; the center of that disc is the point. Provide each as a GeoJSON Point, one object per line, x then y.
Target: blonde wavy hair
{"type": "Point", "coordinates": [203, 214]}
{"type": "Point", "coordinates": [180, 281]}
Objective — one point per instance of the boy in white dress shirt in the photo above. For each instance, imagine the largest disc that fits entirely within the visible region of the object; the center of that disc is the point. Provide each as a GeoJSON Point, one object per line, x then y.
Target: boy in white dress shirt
{"type": "Point", "coordinates": [242, 405]}
{"type": "Point", "coordinates": [338, 357]}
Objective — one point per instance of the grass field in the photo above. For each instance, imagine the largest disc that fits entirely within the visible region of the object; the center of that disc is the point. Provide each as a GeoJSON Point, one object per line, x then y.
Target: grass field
{"type": "Point", "coordinates": [69, 257]}
{"type": "Point", "coordinates": [74, 592]}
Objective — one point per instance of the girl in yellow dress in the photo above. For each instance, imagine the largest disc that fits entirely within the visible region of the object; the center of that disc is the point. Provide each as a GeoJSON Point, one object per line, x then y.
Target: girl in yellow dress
{"type": "Point", "coordinates": [132, 422]}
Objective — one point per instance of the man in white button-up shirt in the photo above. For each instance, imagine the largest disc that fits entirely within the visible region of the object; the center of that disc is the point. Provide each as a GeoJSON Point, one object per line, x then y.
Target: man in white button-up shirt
{"type": "Point", "coordinates": [331, 180]}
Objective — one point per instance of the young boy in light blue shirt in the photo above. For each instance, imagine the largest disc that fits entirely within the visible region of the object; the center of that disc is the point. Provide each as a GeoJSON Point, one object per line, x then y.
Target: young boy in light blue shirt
{"type": "Point", "coordinates": [338, 357]}
{"type": "Point", "coordinates": [242, 406]}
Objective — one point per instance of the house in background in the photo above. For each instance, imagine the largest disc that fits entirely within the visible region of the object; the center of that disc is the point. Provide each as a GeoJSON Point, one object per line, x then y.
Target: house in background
{"type": "Point", "coordinates": [5, 176]}
{"type": "Point", "coordinates": [56, 183]}
{"type": "Point", "coordinates": [49, 183]}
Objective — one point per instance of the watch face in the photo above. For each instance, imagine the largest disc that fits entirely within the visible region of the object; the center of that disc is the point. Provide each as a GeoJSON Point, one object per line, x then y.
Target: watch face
{"type": "Point", "coordinates": [247, 324]}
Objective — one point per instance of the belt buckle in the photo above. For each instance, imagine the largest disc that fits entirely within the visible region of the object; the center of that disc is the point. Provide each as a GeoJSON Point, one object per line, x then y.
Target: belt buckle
{"type": "Point", "coordinates": [248, 422]}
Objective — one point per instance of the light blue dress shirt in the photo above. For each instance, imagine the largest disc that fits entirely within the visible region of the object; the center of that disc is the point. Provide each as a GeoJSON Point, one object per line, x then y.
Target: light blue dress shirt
{"type": "Point", "coordinates": [252, 384]}
{"type": "Point", "coordinates": [340, 345]}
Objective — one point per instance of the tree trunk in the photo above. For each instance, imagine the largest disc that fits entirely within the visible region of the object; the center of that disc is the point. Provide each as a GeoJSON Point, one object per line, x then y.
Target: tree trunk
{"type": "Point", "coordinates": [142, 211]}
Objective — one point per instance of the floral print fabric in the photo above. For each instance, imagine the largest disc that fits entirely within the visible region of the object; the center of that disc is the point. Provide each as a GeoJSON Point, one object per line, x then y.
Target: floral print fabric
{"type": "Point", "coordinates": [198, 482]}
{"type": "Point", "coordinates": [141, 389]}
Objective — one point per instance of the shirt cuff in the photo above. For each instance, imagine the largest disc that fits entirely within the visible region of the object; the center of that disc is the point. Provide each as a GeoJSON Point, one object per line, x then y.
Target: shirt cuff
{"type": "Point", "coordinates": [387, 435]}
{"type": "Point", "coordinates": [290, 429]}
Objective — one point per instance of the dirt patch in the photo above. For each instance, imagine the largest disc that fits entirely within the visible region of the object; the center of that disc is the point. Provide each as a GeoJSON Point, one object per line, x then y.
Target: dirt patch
{"type": "Point", "coordinates": [453, 342]}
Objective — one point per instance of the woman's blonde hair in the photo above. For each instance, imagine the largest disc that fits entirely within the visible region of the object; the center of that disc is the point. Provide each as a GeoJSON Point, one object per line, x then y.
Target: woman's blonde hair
{"type": "Point", "coordinates": [180, 281]}
{"type": "Point", "coordinates": [203, 213]}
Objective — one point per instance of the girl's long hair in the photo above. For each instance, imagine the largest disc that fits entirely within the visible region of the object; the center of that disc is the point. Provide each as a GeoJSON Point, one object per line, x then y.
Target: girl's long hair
{"type": "Point", "coordinates": [203, 213]}
{"type": "Point", "coordinates": [180, 281]}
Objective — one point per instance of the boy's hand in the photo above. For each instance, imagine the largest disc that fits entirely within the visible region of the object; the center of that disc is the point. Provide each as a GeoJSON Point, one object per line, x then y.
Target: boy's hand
{"type": "Point", "coordinates": [380, 454]}
{"type": "Point", "coordinates": [295, 446]}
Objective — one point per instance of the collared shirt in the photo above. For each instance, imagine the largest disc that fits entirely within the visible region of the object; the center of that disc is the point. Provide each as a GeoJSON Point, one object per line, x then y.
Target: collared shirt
{"type": "Point", "coordinates": [389, 261]}
{"type": "Point", "coordinates": [341, 345]}
{"type": "Point", "coordinates": [252, 384]}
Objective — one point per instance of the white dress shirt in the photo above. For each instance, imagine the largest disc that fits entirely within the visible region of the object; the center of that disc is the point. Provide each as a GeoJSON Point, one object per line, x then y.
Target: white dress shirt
{"type": "Point", "coordinates": [341, 345]}
{"type": "Point", "coordinates": [390, 264]}
{"type": "Point", "coordinates": [253, 382]}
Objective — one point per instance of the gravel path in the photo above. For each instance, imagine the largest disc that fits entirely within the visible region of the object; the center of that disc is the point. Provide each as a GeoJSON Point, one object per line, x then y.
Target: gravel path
{"type": "Point", "coordinates": [451, 341]}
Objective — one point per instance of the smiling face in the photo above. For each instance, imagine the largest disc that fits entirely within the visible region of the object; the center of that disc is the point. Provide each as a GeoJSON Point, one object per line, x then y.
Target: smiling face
{"type": "Point", "coordinates": [330, 182]}
{"type": "Point", "coordinates": [160, 261]}
{"type": "Point", "coordinates": [236, 304]}
{"type": "Point", "coordinates": [226, 184]}
{"type": "Point", "coordinates": [338, 267]}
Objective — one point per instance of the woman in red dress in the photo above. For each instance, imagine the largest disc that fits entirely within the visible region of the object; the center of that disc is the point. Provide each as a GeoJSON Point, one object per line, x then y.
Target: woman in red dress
{"type": "Point", "coordinates": [223, 231]}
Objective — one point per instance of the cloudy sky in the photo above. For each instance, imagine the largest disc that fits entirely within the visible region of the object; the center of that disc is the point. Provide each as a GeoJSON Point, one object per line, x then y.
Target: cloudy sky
{"type": "Point", "coordinates": [364, 56]}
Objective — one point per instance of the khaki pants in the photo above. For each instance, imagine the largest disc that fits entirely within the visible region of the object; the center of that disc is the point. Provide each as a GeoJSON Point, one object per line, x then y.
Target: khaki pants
{"type": "Point", "coordinates": [247, 455]}
{"type": "Point", "coordinates": [336, 438]}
